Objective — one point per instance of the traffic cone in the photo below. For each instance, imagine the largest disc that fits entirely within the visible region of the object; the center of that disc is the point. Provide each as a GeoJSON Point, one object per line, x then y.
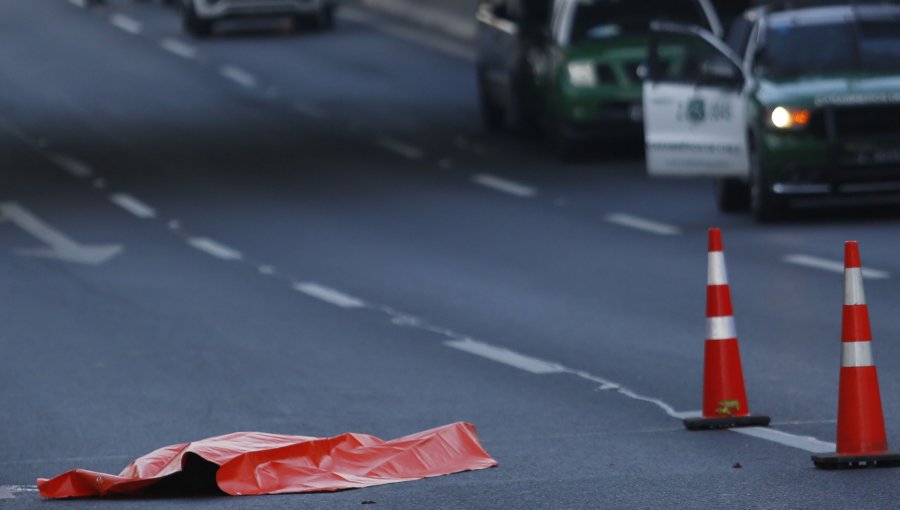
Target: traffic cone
{"type": "Point", "coordinates": [724, 397]}
{"type": "Point", "coordinates": [861, 440]}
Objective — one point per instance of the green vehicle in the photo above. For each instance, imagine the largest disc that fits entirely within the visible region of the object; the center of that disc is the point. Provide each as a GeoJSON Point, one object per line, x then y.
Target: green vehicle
{"type": "Point", "coordinates": [800, 100]}
{"type": "Point", "coordinates": [571, 67]}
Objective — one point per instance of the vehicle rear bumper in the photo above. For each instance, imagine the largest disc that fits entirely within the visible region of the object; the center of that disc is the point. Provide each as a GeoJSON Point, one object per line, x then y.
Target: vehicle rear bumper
{"type": "Point", "coordinates": [219, 9]}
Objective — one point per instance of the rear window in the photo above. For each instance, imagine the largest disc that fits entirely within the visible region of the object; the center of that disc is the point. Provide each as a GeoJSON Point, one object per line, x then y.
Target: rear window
{"type": "Point", "coordinates": [600, 19]}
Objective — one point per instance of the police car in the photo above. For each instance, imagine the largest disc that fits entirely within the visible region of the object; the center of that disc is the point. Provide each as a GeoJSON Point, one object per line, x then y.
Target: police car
{"type": "Point", "coordinates": [199, 16]}
{"type": "Point", "coordinates": [571, 66]}
{"type": "Point", "coordinates": [800, 100]}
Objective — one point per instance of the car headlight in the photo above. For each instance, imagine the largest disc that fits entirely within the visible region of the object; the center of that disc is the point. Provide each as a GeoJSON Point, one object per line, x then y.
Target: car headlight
{"type": "Point", "coordinates": [788, 118]}
{"type": "Point", "coordinates": [582, 74]}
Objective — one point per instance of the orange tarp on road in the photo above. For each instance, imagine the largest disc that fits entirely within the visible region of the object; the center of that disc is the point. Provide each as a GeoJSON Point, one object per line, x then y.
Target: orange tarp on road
{"type": "Point", "coordinates": [250, 463]}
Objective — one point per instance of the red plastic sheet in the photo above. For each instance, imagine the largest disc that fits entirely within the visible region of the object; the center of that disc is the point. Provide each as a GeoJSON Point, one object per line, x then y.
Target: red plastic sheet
{"type": "Point", "coordinates": [249, 463]}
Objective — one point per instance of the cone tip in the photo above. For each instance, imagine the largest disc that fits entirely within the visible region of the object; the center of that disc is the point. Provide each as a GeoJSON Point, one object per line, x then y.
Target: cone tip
{"type": "Point", "coordinates": [851, 255]}
{"type": "Point", "coordinates": [715, 239]}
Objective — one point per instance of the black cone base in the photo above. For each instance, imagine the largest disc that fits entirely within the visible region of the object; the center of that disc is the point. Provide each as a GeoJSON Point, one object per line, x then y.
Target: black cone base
{"type": "Point", "coordinates": [835, 461]}
{"type": "Point", "coordinates": [726, 422]}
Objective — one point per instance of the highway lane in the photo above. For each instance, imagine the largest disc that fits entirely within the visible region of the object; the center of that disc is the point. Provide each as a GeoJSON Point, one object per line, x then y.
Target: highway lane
{"type": "Point", "coordinates": [547, 276]}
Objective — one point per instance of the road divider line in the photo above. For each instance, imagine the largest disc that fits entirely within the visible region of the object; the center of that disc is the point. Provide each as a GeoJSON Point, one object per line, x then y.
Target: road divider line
{"type": "Point", "coordinates": [505, 356]}
{"type": "Point", "coordinates": [73, 166]}
{"type": "Point", "coordinates": [238, 75]}
{"type": "Point", "coordinates": [504, 185]}
{"type": "Point", "coordinates": [133, 205]}
{"type": "Point", "coordinates": [807, 443]}
{"type": "Point", "coordinates": [179, 48]}
{"type": "Point", "coordinates": [832, 266]}
{"type": "Point", "coordinates": [215, 249]}
{"type": "Point", "coordinates": [645, 225]}
{"type": "Point", "coordinates": [329, 295]}
{"type": "Point", "coordinates": [126, 23]}
{"type": "Point", "coordinates": [400, 148]}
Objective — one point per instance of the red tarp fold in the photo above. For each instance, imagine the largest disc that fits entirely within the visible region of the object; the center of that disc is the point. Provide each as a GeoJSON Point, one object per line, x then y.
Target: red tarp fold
{"type": "Point", "coordinates": [250, 463]}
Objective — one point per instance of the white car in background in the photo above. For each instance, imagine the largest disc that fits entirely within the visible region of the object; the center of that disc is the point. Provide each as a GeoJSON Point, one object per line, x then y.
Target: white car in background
{"type": "Point", "coordinates": [200, 16]}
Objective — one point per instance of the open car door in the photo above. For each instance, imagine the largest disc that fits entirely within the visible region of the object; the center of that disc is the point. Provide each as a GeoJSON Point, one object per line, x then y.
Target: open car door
{"type": "Point", "coordinates": [695, 118]}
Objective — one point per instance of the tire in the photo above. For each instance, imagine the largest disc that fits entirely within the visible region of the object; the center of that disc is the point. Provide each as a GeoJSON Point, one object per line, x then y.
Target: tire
{"type": "Point", "coordinates": [765, 205]}
{"type": "Point", "coordinates": [194, 24]}
{"type": "Point", "coordinates": [322, 20]}
{"type": "Point", "coordinates": [732, 195]}
{"type": "Point", "coordinates": [492, 114]}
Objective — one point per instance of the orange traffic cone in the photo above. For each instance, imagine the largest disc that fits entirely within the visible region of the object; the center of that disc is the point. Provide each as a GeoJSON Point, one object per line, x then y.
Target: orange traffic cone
{"type": "Point", "coordinates": [724, 397]}
{"type": "Point", "coordinates": [861, 440]}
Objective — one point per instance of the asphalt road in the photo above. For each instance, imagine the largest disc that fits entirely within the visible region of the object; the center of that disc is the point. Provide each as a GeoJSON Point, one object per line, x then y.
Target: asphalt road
{"type": "Point", "coordinates": [310, 233]}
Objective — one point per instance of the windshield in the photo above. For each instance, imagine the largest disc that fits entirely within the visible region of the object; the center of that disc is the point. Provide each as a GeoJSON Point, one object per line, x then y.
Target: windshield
{"type": "Point", "coordinates": [830, 49]}
{"type": "Point", "coordinates": [599, 19]}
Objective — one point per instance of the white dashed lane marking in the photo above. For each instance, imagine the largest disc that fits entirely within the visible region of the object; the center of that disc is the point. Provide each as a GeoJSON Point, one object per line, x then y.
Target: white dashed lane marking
{"type": "Point", "coordinates": [238, 75]}
{"type": "Point", "coordinates": [126, 23]}
{"type": "Point", "coordinates": [504, 185]}
{"type": "Point", "coordinates": [832, 266]}
{"type": "Point", "coordinates": [73, 166]}
{"type": "Point", "coordinates": [505, 356]}
{"type": "Point", "coordinates": [133, 205]}
{"type": "Point", "coordinates": [642, 224]}
{"type": "Point", "coordinates": [179, 48]}
{"type": "Point", "coordinates": [400, 148]}
{"type": "Point", "coordinates": [215, 249]}
{"type": "Point", "coordinates": [329, 295]}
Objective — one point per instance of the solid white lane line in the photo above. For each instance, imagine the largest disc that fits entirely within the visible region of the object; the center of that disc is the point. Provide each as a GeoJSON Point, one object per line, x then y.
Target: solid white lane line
{"type": "Point", "coordinates": [133, 205]}
{"type": "Point", "coordinates": [400, 148]}
{"type": "Point", "coordinates": [126, 23]}
{"type": "Point", "coordinates": [215, 249]}
{"type": "Point", "coordinates": [504, 185]}
{"type": "Point", "coordinates": [505, 356]}
{"type": "Point", "coordinates": [10, 491]}
{"type": "Point", "coordinates": [73, 166]}
{"type": "Point", "coordinates": [807, 443]}
{"type": "Point", "coordinates": [179, 48]}
{"type": "Point", "coordinates": [645, 225]}
{"type": "Point", "coordinates": [238, 75]}
{"type": "Point", "coordinates": [329, 295]}
{"type": "Point", "coordinates": [6, 492]}
{"type": "Point", "coordinates": [832, 266]}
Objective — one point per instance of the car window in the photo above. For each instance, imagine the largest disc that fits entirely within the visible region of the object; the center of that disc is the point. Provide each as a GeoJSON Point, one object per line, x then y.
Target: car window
{"type": "Point", "coordinates": [739, 35]}
{"type": "Point", "coordinates": [683, 58]}
{"type": "Point", "coordinates": [600, 19]}
{"type": "Point", "coordinates": [821, 49]}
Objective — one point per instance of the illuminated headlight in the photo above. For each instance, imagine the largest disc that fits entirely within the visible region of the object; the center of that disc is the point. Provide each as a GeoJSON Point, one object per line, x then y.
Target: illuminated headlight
{"type": "Point", "coordinates": [582, 74]}
{"type": "Point", "coordinates": [784, 118]}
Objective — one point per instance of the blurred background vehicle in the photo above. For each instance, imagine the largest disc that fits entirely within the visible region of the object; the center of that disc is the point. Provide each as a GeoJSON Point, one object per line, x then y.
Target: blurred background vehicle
{"type": "Point", "coordinates": [803, 100]}
{"type": "Point", "coordinates": [199, 16]}
{"type": "Point", "coordinates": [570, 67]}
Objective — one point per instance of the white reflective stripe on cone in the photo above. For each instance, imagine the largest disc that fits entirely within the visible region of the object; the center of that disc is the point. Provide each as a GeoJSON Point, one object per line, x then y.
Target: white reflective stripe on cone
{"type": "Point", "coordinates": [716, 274]}
{"type": "Point", "coordinates": [853, 287]}
{"type": "Point", "coordinates": [856, 354]}
{"type": "Point", "coordinates": [720, 328]}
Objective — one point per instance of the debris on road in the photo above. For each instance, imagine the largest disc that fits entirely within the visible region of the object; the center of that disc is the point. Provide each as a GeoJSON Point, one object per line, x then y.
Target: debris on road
{"type": "Point", "coordinates": [253, 463]}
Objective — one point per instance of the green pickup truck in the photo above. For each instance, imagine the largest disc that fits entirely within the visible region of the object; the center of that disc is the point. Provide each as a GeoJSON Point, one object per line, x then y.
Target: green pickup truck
{"type": "Point", "coordinates": [801, 100]}
{"type": "Point", "coordinates": [571, 68]}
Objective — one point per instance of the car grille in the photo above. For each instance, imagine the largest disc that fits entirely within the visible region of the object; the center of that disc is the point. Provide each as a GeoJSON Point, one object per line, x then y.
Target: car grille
{"type": "Point", "coordinates": [876, 121]}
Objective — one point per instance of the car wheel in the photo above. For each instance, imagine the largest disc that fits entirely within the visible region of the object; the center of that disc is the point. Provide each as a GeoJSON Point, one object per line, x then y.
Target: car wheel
{"type": "Point", "coordinates": [765, 205]}
{"type": "Point", "coordinates": [732, 195]}
{"type": "Point", "coordinates": [193, 23]}
{"type": "Point", "coordinates": [491, 113]}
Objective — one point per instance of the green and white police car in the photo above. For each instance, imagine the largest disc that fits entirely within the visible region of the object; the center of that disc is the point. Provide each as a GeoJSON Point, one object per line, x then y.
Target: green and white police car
{"type": "Point", "coordinates": [800, 99]}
